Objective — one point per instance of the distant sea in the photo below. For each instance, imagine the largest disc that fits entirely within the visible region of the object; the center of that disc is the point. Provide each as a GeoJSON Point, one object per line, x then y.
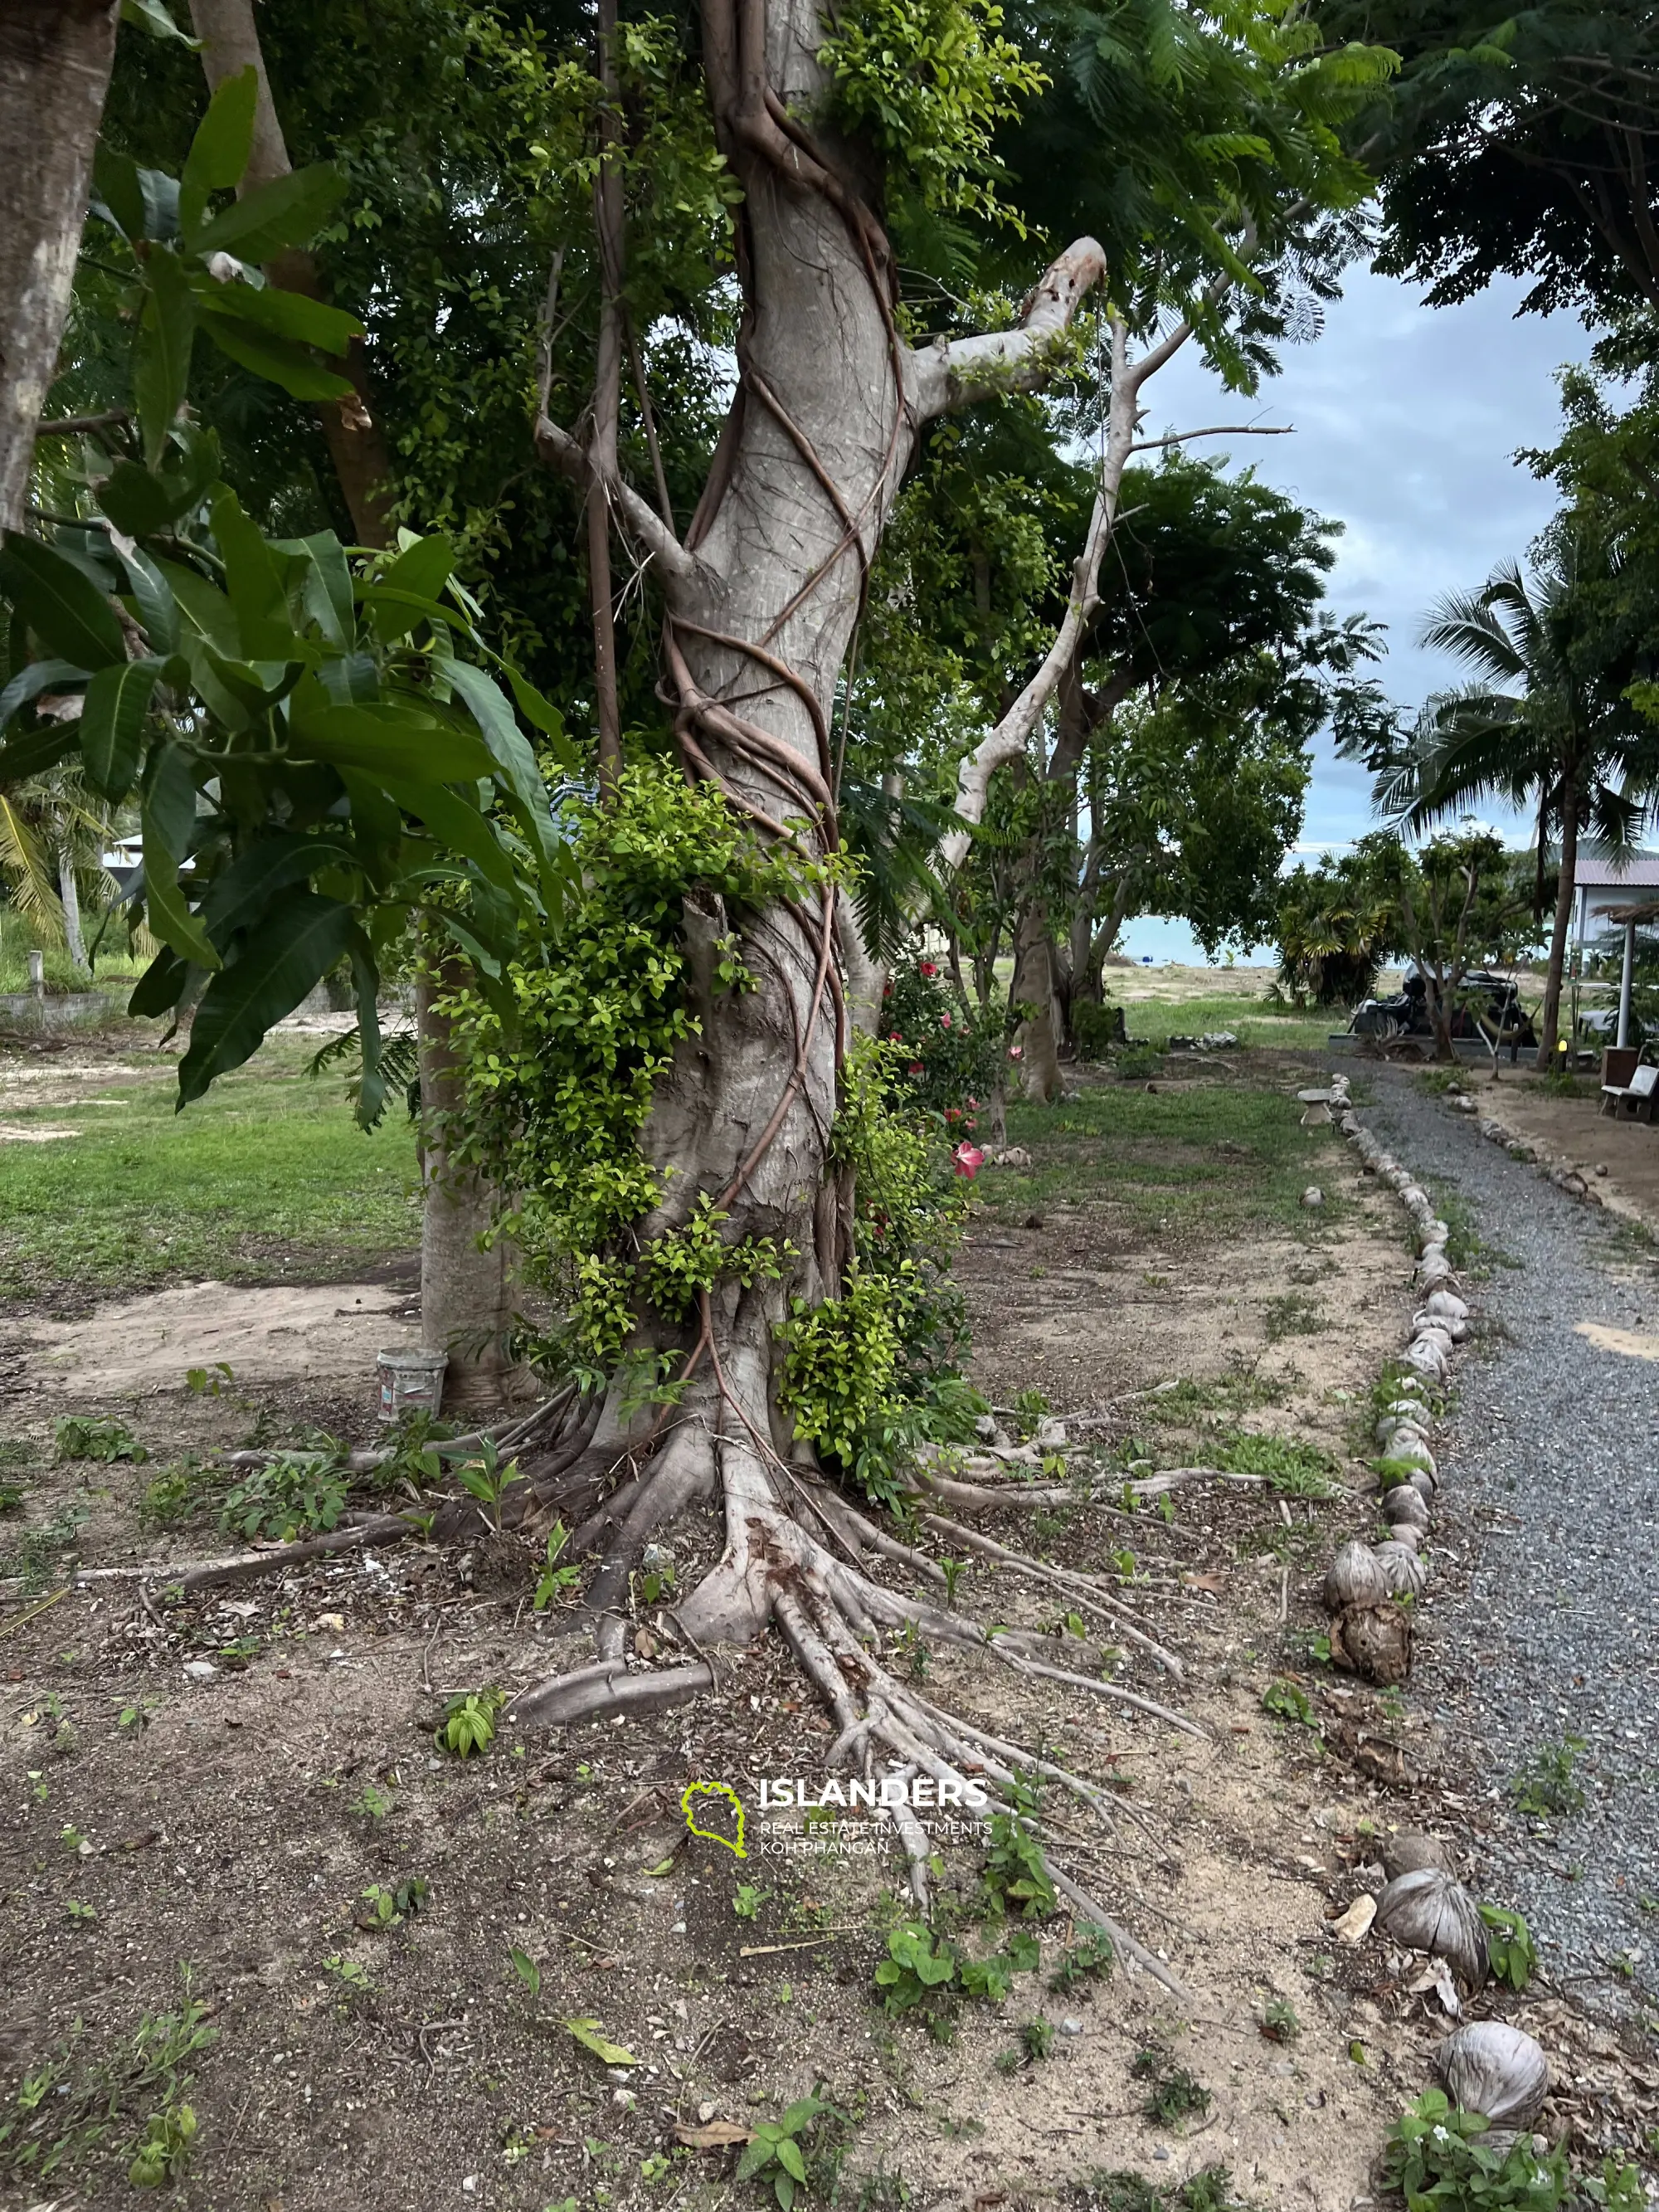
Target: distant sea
{"type": "Point", "coordinates": [1152, 939]}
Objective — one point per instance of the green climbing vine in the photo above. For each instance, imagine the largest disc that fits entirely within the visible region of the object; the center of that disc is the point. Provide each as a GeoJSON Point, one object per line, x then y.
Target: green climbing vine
{"type": "Point", "coordinates": [563, 1064]}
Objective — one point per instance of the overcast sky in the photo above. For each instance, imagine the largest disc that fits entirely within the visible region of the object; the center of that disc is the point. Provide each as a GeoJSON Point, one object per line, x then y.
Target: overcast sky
{"type": "Point", "coordinates": [1407, 421]}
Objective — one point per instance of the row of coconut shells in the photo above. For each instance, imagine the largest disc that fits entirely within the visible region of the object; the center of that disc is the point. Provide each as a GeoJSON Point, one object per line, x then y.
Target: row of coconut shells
{"type": "Point", "coordinates": [1486, 2066]}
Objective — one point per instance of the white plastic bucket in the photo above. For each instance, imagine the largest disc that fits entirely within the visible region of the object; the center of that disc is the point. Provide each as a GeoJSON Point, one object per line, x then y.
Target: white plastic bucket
{"type": "Point", "coordinates": [411, 1383]}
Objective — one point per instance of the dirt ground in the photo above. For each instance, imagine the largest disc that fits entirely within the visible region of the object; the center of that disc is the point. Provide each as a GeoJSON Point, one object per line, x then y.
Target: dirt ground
{"type": "Point", "coordinates": [1621, 1155]}
{"type": "Point", "coordinates": [197, 1797]}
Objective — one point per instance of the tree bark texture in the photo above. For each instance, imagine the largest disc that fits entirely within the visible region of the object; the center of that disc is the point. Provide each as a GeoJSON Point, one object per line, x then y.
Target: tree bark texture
{"type": "Point", "coordinates": [464, 1306]}
{"type": "Point", "coordinates": [1549, 1018]}
{"type": "Point", "coordinates": [55, 59]}
{"type": "Point", "coordinates": [362, 459]}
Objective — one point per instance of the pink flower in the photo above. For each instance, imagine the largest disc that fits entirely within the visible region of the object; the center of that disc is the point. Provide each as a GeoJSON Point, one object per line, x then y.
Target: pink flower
{"type": "Point", "coordinates": [968, 1160]}
{"type": "Point", "coordinates": [973, 1102]}
{"type": "Point", "coordinates": [928, 968]}
{"type": "Point", "coordinates": [1016, 1052]}
{"type": "Point", "coordinates": [893, 1037]}
{"type": "Point", "coordinates": [915, 1068]}
{"type": "Point", "coordinates": [944, 1021]}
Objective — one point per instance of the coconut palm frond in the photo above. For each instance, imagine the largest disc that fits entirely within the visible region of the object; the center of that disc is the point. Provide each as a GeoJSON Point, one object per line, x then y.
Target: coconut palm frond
{"type": "Point", "coordinates": [27, 872]}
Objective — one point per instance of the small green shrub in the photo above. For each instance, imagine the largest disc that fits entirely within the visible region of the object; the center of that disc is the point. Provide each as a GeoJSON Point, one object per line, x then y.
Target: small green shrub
{"type": "Point", "coordinates": [1172, 2094]}
{"type": "Point", "coordinates": [294, 1496]}
{"type": "Point", "coordinates": [1089, 1958]}
{"type": "Point", "coordinates": [1435, 2158]}
{"type": "Point", "coordinates": [1286, 1702]}
{"type": "Point", "coordinates": [75, 1438]}
{"type": "Point", "coordinates": [1293, 1470]}
{"type": "Point", "coordinates": [1545, 1785]}
{"type": "Point", "coordinates": [1509, 1950]}
{"type": "Point", "coordinates": [1279, 2021]}
{"type": "Point", "coordinates": [469, 1721]}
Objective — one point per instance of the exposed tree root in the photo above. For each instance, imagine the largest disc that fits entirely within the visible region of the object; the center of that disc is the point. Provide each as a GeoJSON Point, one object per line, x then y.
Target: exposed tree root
{"type": "Point", "coordinates": [603, 1691]}
{"type": "Point", "coordinates": [1083, 1589]}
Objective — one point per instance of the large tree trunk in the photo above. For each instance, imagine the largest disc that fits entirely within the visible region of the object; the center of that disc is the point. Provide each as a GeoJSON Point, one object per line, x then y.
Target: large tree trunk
{"type": "Point", "coordinates": [70, 891]}
{"type": "Point", "coordinates": [362, 459]}
{"type": "Point", "coordinates": [465, 1310]}
{"type": "Point", "coordinates": [1549, 1018]}
{"type": "Point", "coordinates": [55, 57]}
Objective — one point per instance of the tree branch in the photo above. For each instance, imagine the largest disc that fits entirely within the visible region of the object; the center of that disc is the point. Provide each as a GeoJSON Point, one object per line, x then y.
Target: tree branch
{"type": "Point", "coordinates": [1217, 430]}
{"type": "Point", "coordinates": [638, 516]}
{"type": "Point", "coordinates": [957, 375]}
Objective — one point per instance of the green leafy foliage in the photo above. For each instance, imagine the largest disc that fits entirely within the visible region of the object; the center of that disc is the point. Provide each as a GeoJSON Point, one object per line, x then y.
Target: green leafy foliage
{"type": "Point", "coordinates": [1016, 1880]}
{"type": "Point", "coordinates": [1547, 1786]}
{"type": "Point", "coordinates": [469, 1721]}
{"type": "Point", "coordinates": [1435, 2157]}
{"type": "Point", "coordinates": [778, 2153]}
{"type": "Point", "coordinates": [297, 1494]}
{"type": "Point", "coordinates": [1172, 2094]}
{"type": "Point", "coordinates": [927, 1973]}
{"type": "Point", "coordinates": [1089, 1960]}
{"type": "Point", "coordinates": [76, 1436]}
{"type": "Point", "coordinates": [554, 1579]}
{"type": "Point", "coordinates": [1509, 1949]}
{"type": "Point", "coordinates": [1287, 1701]}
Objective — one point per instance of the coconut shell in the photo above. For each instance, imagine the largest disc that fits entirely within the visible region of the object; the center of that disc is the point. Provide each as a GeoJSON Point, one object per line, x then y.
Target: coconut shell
{"type": "Point", "coordinates": [1406, 1533]}
{"type": "Point", "coordinates": [1374, 1642]}
{"type": "Point", "coordinates": [1403, 1504]}
{"type": "Point", "coordinates": [1429, 1910]}
{"type": "Point", "coordinates": [1404, 1572]}
{"type": "Point", "coordinates": [1411, 1850]}
{"type": "Point", "coordinates": [1490, 2068]}
{"type": "Point", "coordinates": [1354, 1578]}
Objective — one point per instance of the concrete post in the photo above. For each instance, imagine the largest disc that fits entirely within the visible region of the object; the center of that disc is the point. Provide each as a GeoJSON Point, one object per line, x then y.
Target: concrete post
{"type": "Point", "coordinates": [1625, 982]}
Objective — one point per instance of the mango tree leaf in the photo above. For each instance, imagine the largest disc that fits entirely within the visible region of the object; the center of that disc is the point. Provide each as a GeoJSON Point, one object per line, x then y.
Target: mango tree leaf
{"type": "Point", "coordinates": [209, 612]}
{"type": "Point", "coordinates": [156, 19]}
{"type": "Point", "coordinates": [36, 751]}
{"type": "Point", "coordinates": [421, 570]}
{"type": "Point", "coordinates": [30, 681]}
{"type": "Point", "coordinates": [512, 752]}
{"type": "Point", "coordinates": [283, 314]}
{"type": "Point", "coordinates": [288, 212]}
{"type": "Point", "coordinates": [164, 904]}
{"type": "Point", "coordinates": [157, 990]}
{"type": "Point", "coordinates": [115, 181]}
{"type": "Point", "coordinates": [157, 609]}
{"type": "Point", "coordinates": [366, 982]}
{"type": "Point", "coordinates": [67, 612]}
{"type": "Point", "coordinates": [327, 586]}
{"type": "Point", "coordinates": [219, 151]}
{"type": "Point", "coordinates": [588, 2035]}
{"type": "Point", "coordinates": [300, 940]}
{"type": "Point", "coordinates": [389, 738]}
{"type": "Point", "coordinates": [239, 896]}
{"type": "Point", "coordinates": [254, 584]}
{"type": "Point", "coordinates": [279, 360]}
{"type": "Point", "coordinates": [456, 822]}
{"type": "Point", "coordinates": [542, 716]}
{"type": "Point", "coordinates": [167, 333]}
{"type": "Point", "coordinates": [112, 724]}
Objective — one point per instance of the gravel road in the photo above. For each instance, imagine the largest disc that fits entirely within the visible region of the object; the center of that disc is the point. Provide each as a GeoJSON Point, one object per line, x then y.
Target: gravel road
{"type": "Point", "coordinates": [1547, 1626]}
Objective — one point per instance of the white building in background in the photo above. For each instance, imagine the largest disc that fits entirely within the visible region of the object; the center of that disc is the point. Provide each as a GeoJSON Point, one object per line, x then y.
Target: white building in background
{"type": "Point", "coordinates": [1610, 883]}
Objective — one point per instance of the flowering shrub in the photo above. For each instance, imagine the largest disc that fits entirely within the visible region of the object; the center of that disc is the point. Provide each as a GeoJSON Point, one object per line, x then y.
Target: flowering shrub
{"type": "Point", "coordinates": [949, 1056]}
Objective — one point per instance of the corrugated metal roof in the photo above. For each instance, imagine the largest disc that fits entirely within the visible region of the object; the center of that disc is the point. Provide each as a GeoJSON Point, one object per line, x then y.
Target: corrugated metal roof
{"type": "Point", "coordinates": [1601, 872]}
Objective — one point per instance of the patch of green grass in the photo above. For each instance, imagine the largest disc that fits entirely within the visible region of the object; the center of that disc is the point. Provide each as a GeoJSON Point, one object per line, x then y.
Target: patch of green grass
{"type": "Point", "coordinates": [1294, 1315]}
{"type": "Point", "coordinates": [1253, 1021]}
{"type": "Point", "coordinates": [1466, 1248]}
{"type": "Point", "coordinates": [1294, 1470]}
{"type": "Point", "coordinates": [1172, 2094]}
{"type": "Point", "coordinates": [1182, 1404]}
{"type": "Point", "coordinates": [116, 969]}
{"type": "Point", "coordinates": [269, 1163]}
{"type": "Point", "coordinates": [1124, 2191]}
{"type": "Point", "coordinates": [1197, 1164]}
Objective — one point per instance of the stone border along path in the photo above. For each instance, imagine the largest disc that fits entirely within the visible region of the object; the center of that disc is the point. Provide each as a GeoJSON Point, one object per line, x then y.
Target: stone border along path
{"type": "Point", "coordinates": [1546, 1624]}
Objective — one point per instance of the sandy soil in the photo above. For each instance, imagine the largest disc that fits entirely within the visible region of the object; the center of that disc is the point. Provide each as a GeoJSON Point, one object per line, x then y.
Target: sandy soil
{"type": "Point", "coordinates": [1575, 1133]}
{"type": "Point", "coordinates": [216, 1784]}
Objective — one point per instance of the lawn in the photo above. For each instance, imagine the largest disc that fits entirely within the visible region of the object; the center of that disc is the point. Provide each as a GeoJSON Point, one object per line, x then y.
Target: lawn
{"type": "Point", "coordinates": [1201, 1162]}
{"type": "Point", "coordinates": [267, 1175]}
{"type": "Point", "coordinates": [1252, 1020]}
{"type": "Point", "coordinates": [116, 970]}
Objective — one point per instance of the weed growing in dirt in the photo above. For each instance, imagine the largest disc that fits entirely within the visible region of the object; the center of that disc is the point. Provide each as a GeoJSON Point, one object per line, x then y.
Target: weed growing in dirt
{"type": "Point", "coordinates": [75, 1437]}
{"type": "Point", "coordinates": [469, 1721]}
{"type": "Point", "coordinates": [1017, 1881]}
{"type": "Point", "coordinates": [64, 2113]}
{"type": "Point", "coordinates": [1172, 2094]}
{"type": "Point", "coordinates": [384, 1907]}
{"type": "Point", "coordinates": [1089, 1960]}
{"type": "Point", "coordinates": [554, 1580]}
{"type": "Point", "coordinates": [1279, 2021]}
{"type": "Point", "coordinates": [1286, 1701]}
{"type": "Point", "coordinates": [1293, 1470]}
{"type": "Point", "coordinates": [747, 1900]}
{"type": "Point", "coordinates": [1545, 1785]}
{"type": "Point", "coordinates": [1181, 1404]}
{"type": "Point", "coordinates": [1212, 2191]}
{"type": "Point", "coordinates": [1031, 1407]}
{"type": "Point", "coordinates": [1435, 2156]}
{"type": "Point", "coordinates": [486, 1479]}
{"type": "Point", "coordinates": [1294, 1315]}
{"type": "Point", "coordinates": [295, 1495]}
{"type": "Point", "coordinates": [35, 1561]}
{"type": "Point", "coordinates": [1509, 1950]}
{"type": "Point", "coordinates": [927, 1973]}
{"type": "Point", "coordinates": [1036, 2041]}
{"type": "Point", "coordinates": [178, 1492]}
{"type": "Point", "coordinates": [802, 2149]}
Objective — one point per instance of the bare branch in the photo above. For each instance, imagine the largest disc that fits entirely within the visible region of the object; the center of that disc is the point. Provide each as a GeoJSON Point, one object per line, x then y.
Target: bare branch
{"type": "Point", "coordinates": [637, 516]}
{"type": "Point", "coordinates": [945, 376]}
{"type": "Point", "coordinates": [1217, 431]}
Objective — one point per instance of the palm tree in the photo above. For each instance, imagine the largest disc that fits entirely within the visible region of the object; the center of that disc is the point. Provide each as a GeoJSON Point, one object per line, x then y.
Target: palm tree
{"type": "Point", "coordinates": [51, 837]}
{"type": "Point", "coordinates": [1543, 727]}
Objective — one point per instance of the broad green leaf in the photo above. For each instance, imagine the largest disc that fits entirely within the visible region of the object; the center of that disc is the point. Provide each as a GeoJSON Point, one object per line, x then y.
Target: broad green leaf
{"type": "Point", "coordinates": [167, 332]}
{"type": "Point", "coordinates": [352, 680]}
{"type": "Point", "coordinates": [112, 724]}
{"type": "Point", "coordinates": [389, 739]}
{"type": "Point", "coordinates": [164, 904]}
{"type": "Point", "coordinates": [115, 181]}
{"type": "Point", "coordinates": [209, 612]}
{"type": "Point", "coordinates": [157, 990]}
{"type": "Point", "coordinates": [29, 682]}
{"type": "Point", "coordinates": [458, 824]}
{"type": "Point", "coordinates": [512, 752]}
{"type": "Point", "coordinates": [526, 1970]}
{"type": "Point", "coordinates": [327, 590]}
{"type": "Point", "coordinates": [170, 797]}
{"type": "Point", "coordinates": [219, 151]}
{"type": "Point", "coordinates": [421, 570]}
{"type": "Point", "coordinates": [157, 20]}
{"type": "Point", "coordinates": [301, 939]}
{"type": "Point", "coordinates": [36, 751]}
{"type": "Point", "coordinates": [239, 896]}
{"type": "Point", "coordinates": [254, 584]}
{"type": "Point", "coordinates": [804, 2110]}
{"type": "Point", "coordinates": [139, 500]}
{"type": "Point", "coordinates": [157, 609]}
{"type": "Point", "coordinates": [789, 2157]}
{"type": "Point", "coordinates": [366, 981]}
{"type": "Point", "coordinates": [283, 315]}
{"type": "Point", "coordinates": [542, 714]}
{"type": "Point", "coordinates": [278, 360]}
{"type": "Point", "coordinates": [288, 212]}
{"type": "Point", "coordinates": [588, 2033]}
{"type": "Point", "coordinates": [68, 614]}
